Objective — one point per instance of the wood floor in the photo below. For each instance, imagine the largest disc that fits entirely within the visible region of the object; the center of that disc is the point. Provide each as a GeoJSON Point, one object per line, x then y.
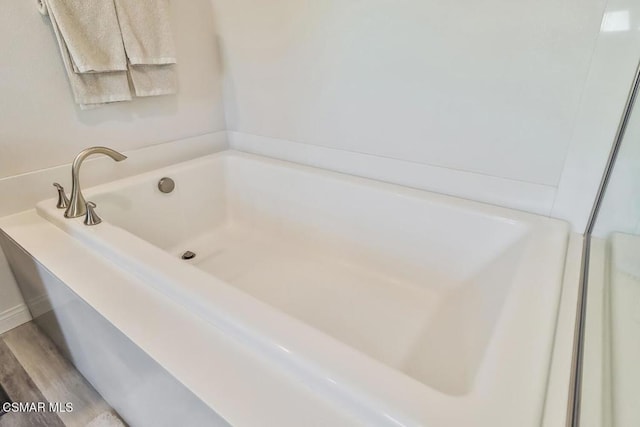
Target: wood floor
{"type": "Point", "coordinates": [32, 370]}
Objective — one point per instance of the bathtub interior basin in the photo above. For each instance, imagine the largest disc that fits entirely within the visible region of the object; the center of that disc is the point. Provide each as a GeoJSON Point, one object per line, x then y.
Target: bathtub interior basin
{"type": "Point", "coordinates": [416, 281]}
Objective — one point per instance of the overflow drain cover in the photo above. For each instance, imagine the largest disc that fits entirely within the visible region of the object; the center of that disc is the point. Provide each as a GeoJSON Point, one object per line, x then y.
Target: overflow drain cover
{"type": "Point", "coordinates": [188, 255]}
{"type": "Point", "coordinates": [166, 185]}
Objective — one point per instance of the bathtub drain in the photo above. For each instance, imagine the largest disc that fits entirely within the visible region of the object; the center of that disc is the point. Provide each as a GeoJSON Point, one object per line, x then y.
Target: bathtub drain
{"type": "Point", "coordinates": [188, 255]}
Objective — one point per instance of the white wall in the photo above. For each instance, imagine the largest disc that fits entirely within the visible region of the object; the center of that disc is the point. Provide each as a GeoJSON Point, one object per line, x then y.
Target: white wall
{"type": "Point", "coordinates": [40, 126]}
{"type": "Point", "coordinates": [613, 65]}
{"type": "Point", "coordinates": [620, 211]}
{"type": "Point", "coordinates": [478, 99]}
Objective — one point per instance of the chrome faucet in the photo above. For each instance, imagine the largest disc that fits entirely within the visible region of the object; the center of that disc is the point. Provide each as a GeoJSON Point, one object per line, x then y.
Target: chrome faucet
{"type": "Point", "coordinates": [77, 204]}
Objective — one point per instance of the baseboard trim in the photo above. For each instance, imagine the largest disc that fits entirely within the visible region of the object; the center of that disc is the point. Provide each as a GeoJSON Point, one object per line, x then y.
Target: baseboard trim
{"type": "Point", "coordinates": [14, 317]}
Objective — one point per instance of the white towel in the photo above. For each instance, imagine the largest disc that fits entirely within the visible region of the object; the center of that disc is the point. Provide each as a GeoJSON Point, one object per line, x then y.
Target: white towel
{"type": "Point", "coordinates": [91, 33]}
{"type": "Point", "coordinates": [109, 45]}
{"type": "Point", "coordinates": [89, 88]}
{"type": "Point", "coordinates": [148, 42]}
{"type": "Point", "coordinates": [153, 80]}
{"type": "Point", "coordinates": [146, 31]}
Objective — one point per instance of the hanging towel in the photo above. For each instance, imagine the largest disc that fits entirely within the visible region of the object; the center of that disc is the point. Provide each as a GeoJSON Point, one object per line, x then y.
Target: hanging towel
{"type": "Point", "coordinates": [146, 31]}
{"type": "Point", "coordinates": [91, 33]}
{"type": "Point", "coordinates": [153, 80]}
{"type": "Point", "coordinates": [148, 43]}
{"type": "Point", "coordinates": [89, 89]}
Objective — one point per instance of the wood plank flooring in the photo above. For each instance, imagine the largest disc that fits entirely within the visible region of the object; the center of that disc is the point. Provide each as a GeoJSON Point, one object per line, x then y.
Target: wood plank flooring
{"type": "Point", "coordinates": [32, 370]}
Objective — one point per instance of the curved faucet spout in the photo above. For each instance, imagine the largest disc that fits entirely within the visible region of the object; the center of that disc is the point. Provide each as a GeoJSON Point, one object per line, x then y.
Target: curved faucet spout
{"type": "Point", "coordinates": [77, 204]}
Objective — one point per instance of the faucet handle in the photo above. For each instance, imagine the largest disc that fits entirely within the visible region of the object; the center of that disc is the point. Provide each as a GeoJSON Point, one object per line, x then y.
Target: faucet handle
{"type": "Point", "coordinates": [91, 217]}
{"type": "Point", "coordinates": [63, 201]}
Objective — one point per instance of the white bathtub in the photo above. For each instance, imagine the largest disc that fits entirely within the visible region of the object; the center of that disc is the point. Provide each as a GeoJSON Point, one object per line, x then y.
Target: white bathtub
{"type": "Point", "coordinates": [401, 306]}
